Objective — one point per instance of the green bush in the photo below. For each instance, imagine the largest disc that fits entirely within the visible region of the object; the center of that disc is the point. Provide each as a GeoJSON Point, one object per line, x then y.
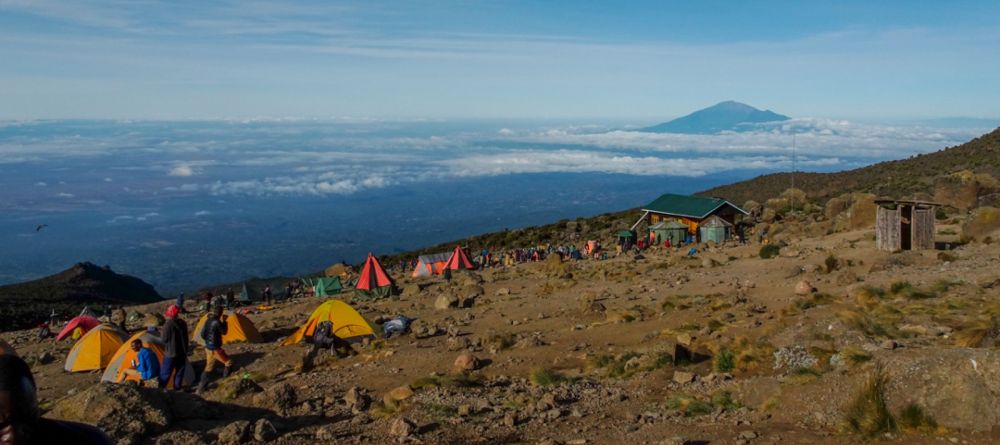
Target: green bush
{"type": "Point", "coordinates": [725, 361]}
{"type": "Point", "coordinates": [769, 251]}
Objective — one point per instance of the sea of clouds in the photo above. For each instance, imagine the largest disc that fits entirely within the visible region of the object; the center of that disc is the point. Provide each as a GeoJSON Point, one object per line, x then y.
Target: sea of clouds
{"type": "Point", "coordinates": [334, 157]}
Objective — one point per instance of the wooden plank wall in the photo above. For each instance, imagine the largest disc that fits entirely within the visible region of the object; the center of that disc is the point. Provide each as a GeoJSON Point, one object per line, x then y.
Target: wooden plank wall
{"type": "Point", "coordinates": [923, 228]}
{"type": "Point", "coordinates": [888, 234]}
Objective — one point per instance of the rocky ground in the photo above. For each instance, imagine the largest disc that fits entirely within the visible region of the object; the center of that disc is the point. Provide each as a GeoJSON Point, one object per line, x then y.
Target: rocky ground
{"type": "Point", "coordinates": [723, 348]}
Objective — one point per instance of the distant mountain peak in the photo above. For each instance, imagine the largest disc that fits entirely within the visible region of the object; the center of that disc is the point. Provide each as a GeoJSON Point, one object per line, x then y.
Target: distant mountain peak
{"type": "Point", "coordinates": [728, 115]}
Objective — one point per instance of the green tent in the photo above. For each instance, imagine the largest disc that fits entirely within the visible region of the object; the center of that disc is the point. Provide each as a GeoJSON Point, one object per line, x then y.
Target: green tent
{"type": "Point", "coordinates": [674, 231]}
{"type": "Point", "coordinates": [325, 287]}
{"type": "Point", "coordinates": [245, 295]}
{"type": "Point", "coordinates": [625, 234]}
{"type": "Point", "coordinates": [715, 229]}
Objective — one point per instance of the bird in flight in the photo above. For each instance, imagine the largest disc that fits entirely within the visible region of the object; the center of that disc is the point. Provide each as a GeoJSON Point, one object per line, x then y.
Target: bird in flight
{"type": "Point", "coordinates": [40, 227]}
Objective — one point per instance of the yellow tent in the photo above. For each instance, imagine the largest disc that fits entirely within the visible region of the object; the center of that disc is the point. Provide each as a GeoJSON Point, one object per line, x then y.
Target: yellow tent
{"type": "Point", "coordinates": [348, 324]}
{"type": "Point", "coordinates": [239, 329]}
{"type": "Point", "coordinates": [123, 358]}
{"type": "Point", "coordinates": [95, 349]}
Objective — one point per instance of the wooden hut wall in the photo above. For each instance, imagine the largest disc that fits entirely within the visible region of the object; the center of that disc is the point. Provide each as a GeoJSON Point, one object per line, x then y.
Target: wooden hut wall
{"type": "Point", "coordinates": [923, 228]}
{"type": "Point", "coordinates": [887, 229]}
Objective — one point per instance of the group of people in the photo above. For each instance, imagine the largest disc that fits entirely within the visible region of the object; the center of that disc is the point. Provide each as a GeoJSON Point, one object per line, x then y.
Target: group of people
{"type": "Point", "coordinates": [149, 371]}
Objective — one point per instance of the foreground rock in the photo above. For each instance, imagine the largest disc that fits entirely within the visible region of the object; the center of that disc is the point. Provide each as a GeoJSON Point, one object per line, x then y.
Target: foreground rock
{"type": "Point", "coordinates": [126, 413]}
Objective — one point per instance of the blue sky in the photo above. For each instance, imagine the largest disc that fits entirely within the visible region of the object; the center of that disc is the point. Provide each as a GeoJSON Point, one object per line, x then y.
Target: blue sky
{"type": "Point", "coordinates": [645, 61]}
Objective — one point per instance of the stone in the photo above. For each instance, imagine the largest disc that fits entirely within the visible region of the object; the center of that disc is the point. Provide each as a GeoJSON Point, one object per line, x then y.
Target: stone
{"type": "Point", "coordinates": [466, 362]}
{"type": "Point", "coordinates": [445, 302]}
{"type": "Point", "coordinates": [503, 291]}
{"type": "Point", "coordinates": [684, 377]}
{"type": "Point", "coordinates": [126, 413]}
{"type": "Point", "coordinates": [280, 398]}
{"type": "Point", "coordinates": [264, 431]}
{"type": "Point", "coordinates": [552, 414]}
{"type": "Point", "coordinates": [804, 287]}
{"type": "Point", "coordinates": [235, 433]}
{"type": "Point", "coordinates": [402, 428]}
{"type": "Point", "coordinates": [675, 440]}
{"type": "Point", "coordinates": [357, 399]}
{"type": "Point", "coordinates": [889, 344]}
{"type": "Point", "coordinates": [685, 339]}
{"type": "Point", "coordinates": [747, 435]}
{"type": "Point", "coordinates": [464, 410]}
{"type": "Point", "coordinates": [400, 393]}
{"type": "Point", "coordinates": [45, 358]}
{"type": "Point", "coordinates": [510, 420]}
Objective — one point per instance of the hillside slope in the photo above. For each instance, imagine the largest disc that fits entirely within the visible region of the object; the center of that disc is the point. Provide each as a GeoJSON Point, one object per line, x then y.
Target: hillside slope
{"type": "Point", "coordinates": [901, 178]}
{"type": "Point", "coordinates": [23, 304]}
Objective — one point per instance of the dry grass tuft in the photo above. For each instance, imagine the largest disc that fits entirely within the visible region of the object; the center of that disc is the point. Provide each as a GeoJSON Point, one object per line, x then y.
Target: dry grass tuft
{"type": "Point", "coordinates": [983, 333]}
{"type": "Point", "coordinates": [869, 414]}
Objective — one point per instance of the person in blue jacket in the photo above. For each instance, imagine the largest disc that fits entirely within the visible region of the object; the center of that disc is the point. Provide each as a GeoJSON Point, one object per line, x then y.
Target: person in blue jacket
{"type": "Point", "coordinates": [145, 367]}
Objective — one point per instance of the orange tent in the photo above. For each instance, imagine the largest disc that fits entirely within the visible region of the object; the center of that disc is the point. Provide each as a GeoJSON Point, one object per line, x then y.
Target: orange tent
{"type": "Point", "coordinates": [95, 349]}
{"type": "Point", "coordinates": [84, 322]}
{"type": "Point", "coordinates": [459, 260]}
{"type": "Point", "coordinates": [374, 282]}
{"type": "Point", "coordinates": [122, 360]}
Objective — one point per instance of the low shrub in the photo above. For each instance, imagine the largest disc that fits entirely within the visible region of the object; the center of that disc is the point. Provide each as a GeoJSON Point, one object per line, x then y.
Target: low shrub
{"type": "Point", "coordinates": [769, 251]}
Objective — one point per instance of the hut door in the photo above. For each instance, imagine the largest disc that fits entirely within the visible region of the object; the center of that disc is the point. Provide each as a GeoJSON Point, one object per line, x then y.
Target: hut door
{"type": "Point", "coordinates": [906, 228]}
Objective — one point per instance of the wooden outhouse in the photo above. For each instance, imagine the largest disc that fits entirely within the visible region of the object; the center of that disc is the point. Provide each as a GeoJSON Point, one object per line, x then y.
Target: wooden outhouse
{"type": "Point", "coordinates": [904, 225]}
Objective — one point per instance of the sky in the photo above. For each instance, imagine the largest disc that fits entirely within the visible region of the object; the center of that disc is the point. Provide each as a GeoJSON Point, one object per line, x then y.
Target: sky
{"type": "Point", "coordinates": [642, 60]}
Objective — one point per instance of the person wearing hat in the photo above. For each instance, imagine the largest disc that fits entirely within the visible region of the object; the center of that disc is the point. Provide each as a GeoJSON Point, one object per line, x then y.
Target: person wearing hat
{"type": "Point", "coordinates": [21, 422]}
{"type": "Point", "coordinates": [175, 348]}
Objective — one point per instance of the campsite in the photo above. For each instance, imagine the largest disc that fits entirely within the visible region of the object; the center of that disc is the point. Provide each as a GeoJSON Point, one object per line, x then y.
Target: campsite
{"type": "Point", "coordinates": [687, 331]}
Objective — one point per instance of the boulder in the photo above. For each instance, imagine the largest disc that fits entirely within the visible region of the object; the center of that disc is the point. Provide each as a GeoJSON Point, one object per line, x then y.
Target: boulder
{"type": "Point", "coordinates": [279, 398]}
{"type": "Point", "coordinates": [804, 287]}
{"type": "Point", "coordinates": [684, 377]}
{"type": "Point", "coordinates": [264, 431]}
{"type": "Point", "coordinates": [235, 433]}
{"type": "Point", "coordinates": [983, 221]}
{"type": "Point", "coordinates": [466, 362]}
{"type": "Point", "coordinates": [445, 302]}
{"type": "Point", "coordinates": [402, 428]}
{"type": "Point", "coordinates": [357, 399]}
{"type": "Point", "coordinates": [126, 413]}
{"type": "Point", "coordinates": [399, 394]}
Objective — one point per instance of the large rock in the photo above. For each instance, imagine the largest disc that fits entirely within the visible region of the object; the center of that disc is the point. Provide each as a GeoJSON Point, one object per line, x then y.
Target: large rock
{"type": "Point", "coordinates": [962, 189]}
{"type": "Point", "coordinates": [982, 222]}
{"type": "Point", "coordinates": [803, 287]}
{"type": "Point", "coordinates": [960, 388]}
{"type": "Point", "coordinates": [402, 428]}
{"type": "Point", "coordinates": [235, 433]}
{"type": "Point", "coordinates": [280, 398]}
{"type": "Point", "coordinates": [445, 302]}
{"type": "Point", "coordinates": [466, 362]}
{"type": "Point", "coordinates": [126, 413]}
{"type": "Point", "coordinates": [264, 431]}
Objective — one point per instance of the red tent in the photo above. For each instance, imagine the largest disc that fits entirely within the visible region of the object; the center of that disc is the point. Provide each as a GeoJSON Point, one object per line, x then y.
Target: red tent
{"type": "Point", "coordinates": [374, 282]}
{"type": "Point", "coordinates": [84, 322]}
{"type": "Point", "coordinates": [459, 260]}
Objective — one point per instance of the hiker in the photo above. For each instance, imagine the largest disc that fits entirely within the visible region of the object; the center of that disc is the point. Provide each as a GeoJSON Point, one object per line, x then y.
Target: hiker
{"type": "Point", "coordinates": [266, 294]}
{"type": "Point", "coordinates": [53, 318]}
{"type": "Point", "coordinates": [21, 422]}
{"type": "Point", "coordinates": [447, 274]}
{"type": "Point", "coordinates": [175, 348]}
{"type": "Point", "coordinates": [215, 327]}
{"type": "Point", "coordinates": [44, 331]}
{"type": "Point", "coordinates": [145, 366]}
{"type": "Point", "coordinates": [120, 318]}
{"type": "Point", "coordinates": [180, 302]}
{"type": "Point", "coordinates": [230, 298]}
{"type": "Point", "coordinates": [324, 338]}
{"type": "Point", "coordinates": [288, 291]}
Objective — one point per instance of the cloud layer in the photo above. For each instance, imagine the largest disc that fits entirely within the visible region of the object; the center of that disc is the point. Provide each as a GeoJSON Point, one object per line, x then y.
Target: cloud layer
{"type": "Point", "coordinates": [317, 158]}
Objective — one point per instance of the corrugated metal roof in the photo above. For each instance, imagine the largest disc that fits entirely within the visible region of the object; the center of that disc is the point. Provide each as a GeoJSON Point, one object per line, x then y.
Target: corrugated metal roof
{"type": "Point", "coordinates": [689, 206]}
